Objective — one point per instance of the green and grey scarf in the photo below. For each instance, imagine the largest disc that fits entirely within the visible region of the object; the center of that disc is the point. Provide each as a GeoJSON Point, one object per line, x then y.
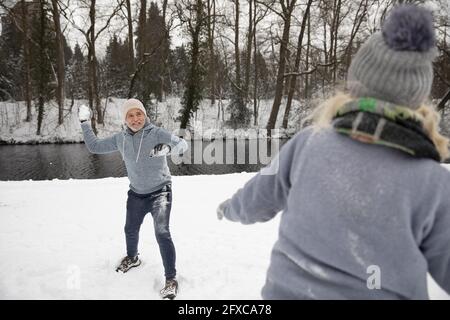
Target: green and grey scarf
{"type": "Point", "coordinates": [379, 122]}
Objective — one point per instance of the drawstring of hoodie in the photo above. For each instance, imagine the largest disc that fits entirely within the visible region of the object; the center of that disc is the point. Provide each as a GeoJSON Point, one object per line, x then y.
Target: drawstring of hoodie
{"type": "Point", "coordinates": [140, 144]}
{"type": "Point", "coordinates": [123, 146]}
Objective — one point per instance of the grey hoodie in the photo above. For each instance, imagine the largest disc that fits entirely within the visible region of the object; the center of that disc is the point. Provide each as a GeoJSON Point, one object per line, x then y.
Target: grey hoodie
{"type": "Point", "coordinates": [146, 173]}
{"type": "Point", "coordinates": [350, 209]}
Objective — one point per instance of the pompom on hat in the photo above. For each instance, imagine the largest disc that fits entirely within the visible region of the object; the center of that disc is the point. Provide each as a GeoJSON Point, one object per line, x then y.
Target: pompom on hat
{"type": "Point", "coordinates": [395, 65]}
{"type": "Point", "coordinates": [132, 104]}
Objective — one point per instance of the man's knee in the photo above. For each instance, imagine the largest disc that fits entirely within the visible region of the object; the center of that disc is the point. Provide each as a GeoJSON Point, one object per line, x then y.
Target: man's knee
{"type": "Point", "coordinates": [162, 233]}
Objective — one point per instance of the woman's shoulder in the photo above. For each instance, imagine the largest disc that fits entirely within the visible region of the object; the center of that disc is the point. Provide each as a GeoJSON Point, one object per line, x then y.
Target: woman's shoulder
{"type": "Point", "coordinates": [311, 133]}
{"type": "Point", "coordinates": [443, 171]}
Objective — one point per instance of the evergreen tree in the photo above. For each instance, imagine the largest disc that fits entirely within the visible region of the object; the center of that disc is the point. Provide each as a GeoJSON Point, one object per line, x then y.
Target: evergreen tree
{"type": "Point", "coordinates": [154, 43]}
{"type": "Point", "coordinates": [178, 63]}
{"type": "Point", "coordinates": [194, 82]}
{"type": "Point", "coordinates": [264, 88]}
{"type": "Point", "coordinates": [77, 75]}
{"type": "Point", "coordinates": [240, 114]}
{"type": "Point", "coordinates": [117, 67]}
{"type": "Point", "coordinates": [68, 53]}
{"type": "Point", "coordinates": [11, 61]}
{"type": "Point", "coordinates": [193, 15]}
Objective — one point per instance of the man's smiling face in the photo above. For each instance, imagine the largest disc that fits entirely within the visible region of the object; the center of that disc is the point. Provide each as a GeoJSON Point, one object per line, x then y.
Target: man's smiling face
{"type": "Point", "coordinates": [135, 119]}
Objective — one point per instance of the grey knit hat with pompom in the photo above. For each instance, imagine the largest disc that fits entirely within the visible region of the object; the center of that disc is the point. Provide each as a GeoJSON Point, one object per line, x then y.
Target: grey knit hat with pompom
{"type": "Point", "coordinates": [395, 65]}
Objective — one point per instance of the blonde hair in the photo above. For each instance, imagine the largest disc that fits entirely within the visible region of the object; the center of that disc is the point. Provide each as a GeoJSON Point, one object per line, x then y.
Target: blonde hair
{"type": "Point", "coordinates": [322, 116]}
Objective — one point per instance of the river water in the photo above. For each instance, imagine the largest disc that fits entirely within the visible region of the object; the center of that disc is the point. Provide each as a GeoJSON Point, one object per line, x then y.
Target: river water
{"type": "Point", "coordinates": [65, 161]}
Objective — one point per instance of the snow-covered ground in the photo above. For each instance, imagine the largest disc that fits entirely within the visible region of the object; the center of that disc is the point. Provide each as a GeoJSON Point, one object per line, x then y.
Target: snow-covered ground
{"type": "Point", "coordinates": [61, 239]}
{"type": "Point", "coordinates": [205, 124]}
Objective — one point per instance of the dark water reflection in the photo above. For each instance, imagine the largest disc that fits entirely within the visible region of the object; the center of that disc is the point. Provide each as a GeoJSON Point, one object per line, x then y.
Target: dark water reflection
{"type": "Point", "coordinates": [65, 161]}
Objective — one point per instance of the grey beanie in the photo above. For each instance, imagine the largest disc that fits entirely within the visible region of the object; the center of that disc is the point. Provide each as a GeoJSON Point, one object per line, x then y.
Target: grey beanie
{"type": "Point", "coordinates": [132, 104]}
{"type": "Point", "coordinates": [395, 65]}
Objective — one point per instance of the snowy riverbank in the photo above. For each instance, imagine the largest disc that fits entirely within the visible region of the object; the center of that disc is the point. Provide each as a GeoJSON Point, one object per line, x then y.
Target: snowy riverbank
{"type": "Point", "coordinates": [205, 125]}
{"type": "Point", "coordinates": [61, 239]}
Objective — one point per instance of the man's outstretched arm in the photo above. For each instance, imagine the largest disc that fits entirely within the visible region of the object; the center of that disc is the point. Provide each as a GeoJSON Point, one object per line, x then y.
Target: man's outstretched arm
{"type": "Point", "coordinates": [94, 144]}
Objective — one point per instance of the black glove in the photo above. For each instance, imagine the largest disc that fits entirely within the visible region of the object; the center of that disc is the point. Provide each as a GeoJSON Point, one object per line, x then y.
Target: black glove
{"type": "Point", "coordinates": [160, 150]}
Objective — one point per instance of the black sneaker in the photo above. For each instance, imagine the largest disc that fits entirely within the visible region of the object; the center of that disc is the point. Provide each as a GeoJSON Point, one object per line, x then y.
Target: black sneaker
{"type": "Point", "coordinates": [127, 263]}
{"type": "Point", "coordinates": [170, 290]}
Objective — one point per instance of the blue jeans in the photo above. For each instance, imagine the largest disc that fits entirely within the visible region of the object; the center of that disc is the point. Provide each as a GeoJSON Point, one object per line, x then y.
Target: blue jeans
{"type": "Point", "coordinates": [158, 203]}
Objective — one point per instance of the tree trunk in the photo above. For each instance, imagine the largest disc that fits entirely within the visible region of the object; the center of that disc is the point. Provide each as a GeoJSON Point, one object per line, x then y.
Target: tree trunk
{"type": "Point", "coordinates": [98, 106]}
{"type": "Point", "coordinates": [287, 14]}
{"type": "Point", "coordinates": [213, 78]}
{"type": "Point", "coordinates": [255, 84]}
{"type": "Point", "coordinates": [130, 36]}
{"type": "Point", "coordinates": [359, 17]}
{"type": "Point", "coordinates": [60, 96]}
{"type": "Point", "coordinates": [140, 46]}
{"type": "Point", "coordinates": [91, 64]}
{"type": "Point", "coordinates": [443, 101]}
{"type": "Point", "coordinates": [308, 48]}
{"type": "Point", "coordinates": [41, 82]}
{"type": "Point", "coordinates": [164, 54]}
{"type": "Point", "coordinates": [93, 67]}
{"type": "Point", "coordinates": [325, 52]}
{"type": "Point", "coordinates": [336, 33]}
{"type": "Point", "coordinates": [212, 67]}
{"type": "Point", "coordinates": [293, 81]}
{"type": "Point", "coordinates": [26, 53]}
{"type": "Point", "coordinates": [332, 34]}
{"type": "Point", "coordinates": [248, 52]}
{"type": "Point", "coordinates": [40, 115]}
{"type": "Point", "coordinates": [192, 84]}
{"type": "Point", "coordinates": [141, 28]}
{"type": "Point", "coordinates": [236, 50]}
{"type": "Point", "coordinates": [239, 114]}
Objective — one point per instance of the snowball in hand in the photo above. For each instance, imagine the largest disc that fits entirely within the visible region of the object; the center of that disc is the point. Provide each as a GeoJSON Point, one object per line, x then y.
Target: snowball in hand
{"type": "Point", "coordinates": [84, 113]}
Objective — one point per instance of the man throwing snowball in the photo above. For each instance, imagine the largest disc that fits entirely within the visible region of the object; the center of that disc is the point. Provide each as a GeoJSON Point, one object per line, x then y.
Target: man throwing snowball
{"type": "Point", "coordinates": [144, 148]}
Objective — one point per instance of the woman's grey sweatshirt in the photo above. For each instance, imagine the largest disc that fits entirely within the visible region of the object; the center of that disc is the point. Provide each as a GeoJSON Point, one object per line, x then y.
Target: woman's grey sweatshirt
{"type": "Point", "coordinates": [358, 221]}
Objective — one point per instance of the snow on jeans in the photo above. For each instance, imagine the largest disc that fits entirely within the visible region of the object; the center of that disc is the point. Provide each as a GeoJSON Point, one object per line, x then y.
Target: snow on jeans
{"type": "Point", "coordinates": [158, 203]}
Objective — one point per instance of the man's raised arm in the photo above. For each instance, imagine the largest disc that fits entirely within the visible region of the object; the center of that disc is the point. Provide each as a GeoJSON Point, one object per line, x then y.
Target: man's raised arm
{"type": "Point", "coordinates": [94, 144]}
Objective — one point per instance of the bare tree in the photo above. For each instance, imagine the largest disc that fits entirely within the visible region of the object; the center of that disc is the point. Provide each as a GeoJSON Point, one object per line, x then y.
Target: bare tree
{"type": "Point", "coordinates": [237, 55]}
{"type": "Point", "coordinates": [293, 79]}
{"type": "Point", "coordinates": [41, 66]}
{"type": "Point", "coordinates": [141, 28]}
{"type": "Point", "coordinates": [130, 35]}
{"type": "Point", "coordinates": [444, 100]}
{"type": "Point", "coordinates": [248, 51]}
{"type": "Point", "coordinates": [165, 51]}
{"type": "Point", "coordinates": [91, 36]}
{"type": "Point", "coordinates": [287, 7]}
{"type": "Point", "coordinates": [211, 8]}
{"type": "Point", "coordinates": [26, 53]}
{"type": "Point", "coordinates": [255, 81]}
{"type": "Point", "coordinates": [145, 51]}
{"type": "Point", "coordinates": [240, 115]}
{"type": "Point", "coordinates": [308, 50]}
{"type": "Point", "coordinates": [360, 15]}
{"type": "Point", "coordinates": [193, 17]}
{"type": "Point", "coordinates": [334, 32]}
{"type": "Point", "coordinates": [60, 61]}
{"type": "Point", "coordinates": [258, 15]}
